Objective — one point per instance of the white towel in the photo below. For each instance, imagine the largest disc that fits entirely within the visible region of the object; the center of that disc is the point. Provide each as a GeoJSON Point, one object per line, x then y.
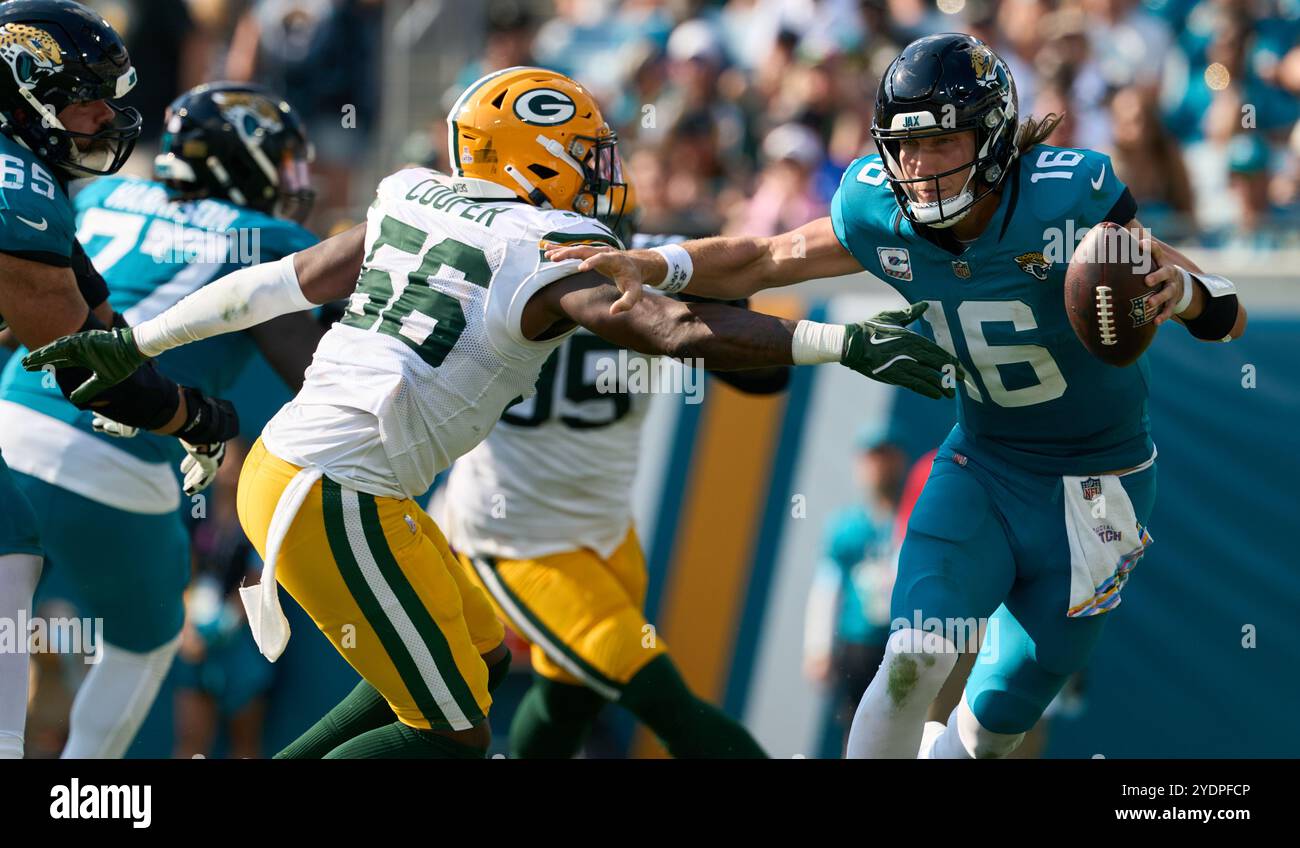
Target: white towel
{"type": "Point", "coordinates": [1106, 542]}
{"type": "Point", "coordinates": [262, 602]}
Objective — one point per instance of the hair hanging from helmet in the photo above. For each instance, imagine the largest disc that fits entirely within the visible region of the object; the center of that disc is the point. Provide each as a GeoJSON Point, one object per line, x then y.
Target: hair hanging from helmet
{"type": "Point", "coordinates": [1036, 130]}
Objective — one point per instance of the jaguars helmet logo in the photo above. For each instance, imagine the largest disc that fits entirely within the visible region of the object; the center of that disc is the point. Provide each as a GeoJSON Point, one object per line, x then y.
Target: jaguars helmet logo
{"type": "Point", "coordinates": [982, 60]}
{"type": "Point", "coordinates": [1034, 264]}
{"type": "Point", "coordinates": [30, 52]}
{"type": "Point", "coordinates": [249, 113]}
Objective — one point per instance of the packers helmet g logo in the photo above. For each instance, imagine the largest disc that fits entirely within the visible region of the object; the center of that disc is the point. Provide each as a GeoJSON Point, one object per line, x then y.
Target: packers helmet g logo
{"type": "Point", "coordinates": [545, 107]}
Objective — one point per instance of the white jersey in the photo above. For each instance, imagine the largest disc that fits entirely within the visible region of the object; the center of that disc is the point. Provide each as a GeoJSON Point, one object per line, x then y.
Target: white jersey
{"type": "Point", "coordinates": [430, 350]}
{"type": "Point", "coordinates": [557, 473]}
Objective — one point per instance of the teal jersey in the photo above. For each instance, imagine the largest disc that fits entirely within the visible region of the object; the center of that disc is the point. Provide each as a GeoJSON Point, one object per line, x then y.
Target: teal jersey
{"type": "Point", "coordinates": [1033, 396]}
{"type": "Point", "coordinates": [153, 250]}
{"type": "Point", "coordinates": [36, 220]}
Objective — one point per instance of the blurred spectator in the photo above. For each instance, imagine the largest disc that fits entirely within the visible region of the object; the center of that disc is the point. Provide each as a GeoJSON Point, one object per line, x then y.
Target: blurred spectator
{"type": "Point", "coordinates": [1130, 43]}
{"type": "Point", "coordinates": [1149, 160]}
{"type": "Point", "coordinates": [508, 43]}
{"type": "Point", "coordinates": [1226, 68]}
{"type": "Point", "coordinates": [1072, 77]}
{"type": "Point", "coordinates": [1259, 224]}
{"type": "Point", "coordinates": [846, 623]}
{"type": "Point", "coordinates": [585, 38]}
{"type": "Point", "coordinates": [1054, 99]}
{"type": "Point", "coordinates": [695, 65]}
{"type": "Point", "coordinates": [1019, 28]}
{"type": "Point", "coordinates": [323, 56]}
{"type": "Point", "coordinates": [786, 196]}
{"type": "Point", "coordinates": [220, 676]}
{"type": "Point", "coordinates": [169, 51]}
{"type": "Point", "coordinates": [695, 177]}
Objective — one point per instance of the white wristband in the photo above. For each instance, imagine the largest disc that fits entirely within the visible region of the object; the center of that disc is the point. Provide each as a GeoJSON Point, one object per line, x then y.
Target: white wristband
{"type": "Point", "coordinates": [680, 268]}
{"type": "Point", "coordinates": [1189, 286]}
{"type": "Point", "coordinates": [815, 343]}
{"type": "Point", "coordinates": [237, 301]}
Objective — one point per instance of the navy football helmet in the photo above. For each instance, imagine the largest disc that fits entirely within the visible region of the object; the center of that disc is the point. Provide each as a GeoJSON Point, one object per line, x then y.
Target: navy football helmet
{"type": "Point", "coordinates": [240, 142]}
{"type": "Point", "coordinates": [940, 85]}
{"type": "Point", "coordinates": [57, 53]}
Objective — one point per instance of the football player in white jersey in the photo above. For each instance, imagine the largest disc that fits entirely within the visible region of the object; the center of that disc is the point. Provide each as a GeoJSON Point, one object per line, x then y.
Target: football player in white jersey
{"type": "Point", "coordinates": [453, 311]}
{"type": "Point", "coordinates": [541, 514]}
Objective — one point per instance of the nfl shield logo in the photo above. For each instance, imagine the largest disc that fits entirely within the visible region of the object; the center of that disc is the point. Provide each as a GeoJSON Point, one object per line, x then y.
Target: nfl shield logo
{"type": "Point", "coordinates": [1139, 311]}
{"type": "Point", "coordinates": [1091, 488]}
{"type": "Point", "coordinates": [961, 269]}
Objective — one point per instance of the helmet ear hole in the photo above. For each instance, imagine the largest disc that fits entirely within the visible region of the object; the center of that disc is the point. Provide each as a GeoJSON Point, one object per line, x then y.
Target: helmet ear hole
{"type": "Point", "coordinates": [499, 99]}
{"type": "Point", "coordinates": [542, 172]}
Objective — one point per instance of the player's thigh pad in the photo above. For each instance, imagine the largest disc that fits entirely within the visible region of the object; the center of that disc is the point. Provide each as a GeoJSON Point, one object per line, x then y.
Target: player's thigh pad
{"type": "Point", "coordinates": [576, 609]}
{"type": "Point", "coordinates": [378, 588]}
{"type": "Point", "coordinates": [129, 569]}
{"type": "Point", "coordinates": [18, 528]}
{"type": "Point", "coordinates": [956, 562]}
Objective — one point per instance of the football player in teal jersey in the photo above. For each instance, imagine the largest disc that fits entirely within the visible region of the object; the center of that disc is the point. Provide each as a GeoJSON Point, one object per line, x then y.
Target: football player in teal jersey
{"type": "Point", "coordinates": [1036, 508]}
{"type": "Point", "coordinates": [230, 180]}
{"type": "Point", "coordinates": [61, 68]}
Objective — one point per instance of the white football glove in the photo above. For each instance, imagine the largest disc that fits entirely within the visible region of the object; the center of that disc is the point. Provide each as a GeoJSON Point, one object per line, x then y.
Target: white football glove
{"type": "Point", "coordinates": [109, 427]}
{"type": "Point", "coordinates": [200, 465]}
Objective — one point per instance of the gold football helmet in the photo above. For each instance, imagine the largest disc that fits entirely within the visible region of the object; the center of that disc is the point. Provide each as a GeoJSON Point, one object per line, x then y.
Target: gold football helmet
{"type": "Point", "coordinates": [541, 136]}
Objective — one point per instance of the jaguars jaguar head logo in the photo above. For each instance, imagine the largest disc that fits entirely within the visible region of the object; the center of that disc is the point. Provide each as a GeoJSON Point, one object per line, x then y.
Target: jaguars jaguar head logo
{"type": "Point", "coordinates": [248, 113]}
{"type": "Point", "coordinates": [984, 62]}
{"type": "Point", "coordinates": [1034, 264]}
{"type": "Point", "coordinates": [30, 52]}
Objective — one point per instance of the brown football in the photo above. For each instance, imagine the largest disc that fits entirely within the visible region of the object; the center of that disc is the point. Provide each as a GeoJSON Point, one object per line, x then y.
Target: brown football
{"type": "Point", "coordinates": [1105, 295]}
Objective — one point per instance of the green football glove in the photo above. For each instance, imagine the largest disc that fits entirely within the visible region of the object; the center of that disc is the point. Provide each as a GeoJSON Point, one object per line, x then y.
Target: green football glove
{"type": "Point", "coordinates": [110, 354]}
{"type": "Point", "coordinates": [880, 348]}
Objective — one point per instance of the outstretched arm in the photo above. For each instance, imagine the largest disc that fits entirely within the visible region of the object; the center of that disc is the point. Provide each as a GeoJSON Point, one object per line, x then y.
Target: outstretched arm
{"type": "Point", "coordinates": [727, 338]}
{"type": "Point", "coordinates": [725, 268]}
{"type": "Point", "coordinates": [238, 301]}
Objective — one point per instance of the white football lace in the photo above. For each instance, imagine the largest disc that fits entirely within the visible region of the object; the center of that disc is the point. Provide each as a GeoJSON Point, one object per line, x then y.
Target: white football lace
{"type": "Point", "coordinates": [1105, 316]}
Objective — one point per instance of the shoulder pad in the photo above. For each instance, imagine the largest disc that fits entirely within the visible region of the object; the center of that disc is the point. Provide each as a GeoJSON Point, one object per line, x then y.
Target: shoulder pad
{"type": "Point", "coordinates": [1061, 182]}
{"type": "Point", "coordinates": [35, 213]}
{"type": "Point", "coordinates": [863, 204]}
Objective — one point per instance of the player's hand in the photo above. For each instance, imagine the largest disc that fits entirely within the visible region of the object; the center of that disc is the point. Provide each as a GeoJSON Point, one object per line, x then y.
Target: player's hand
{"type": "Point", "coordinates": [1168, 277]}
{"type": "Point", "coordinates": [623, 268]}
{"type": "Point", "coordinates": [110, 354]}
{"type": "Point", "coordinates": [883, 350]}
{"type": "Point", "coordinates": [109, 427]}
{"type": "Point", "coordinates": [200, 465]}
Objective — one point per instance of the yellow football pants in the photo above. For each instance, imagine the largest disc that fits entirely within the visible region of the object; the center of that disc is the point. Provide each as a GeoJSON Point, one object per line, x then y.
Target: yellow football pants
{"type": "Point", "coordinates": [377, 577]}
{"type": "Point", "coordinates": [582, 614]}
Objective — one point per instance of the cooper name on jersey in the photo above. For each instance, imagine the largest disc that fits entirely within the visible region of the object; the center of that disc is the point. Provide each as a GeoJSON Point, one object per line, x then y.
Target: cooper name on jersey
{"type": "Point", "coordinates": [441, 194]}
